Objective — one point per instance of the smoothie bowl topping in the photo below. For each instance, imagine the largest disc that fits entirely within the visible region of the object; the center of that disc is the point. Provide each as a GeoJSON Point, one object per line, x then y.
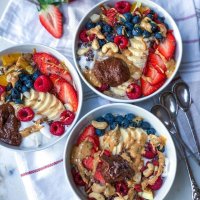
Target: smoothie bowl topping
{"type": "Point", "coordinates": [38, 98]}
{"type": "Point", "coordinates": [119, 157]}
{"type": "Point", "coordinates": [126, 50]}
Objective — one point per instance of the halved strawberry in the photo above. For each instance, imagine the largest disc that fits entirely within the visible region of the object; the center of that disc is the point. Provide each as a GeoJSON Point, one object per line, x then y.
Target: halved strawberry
{"type": "Point", "coordinates": [88, 131]}
{"type": "Point", "coordinates": [51, 18]}
{"type": "Point", "coordinates": [147, 88]}
{"type": "Point", "coordinates": [65, 91]}
{"type": "Point", "coordinates": [156, 61]}
{"type": "Point", "coordinates": [88, 162]}
{"type": "Point", "coordinates": [40, 57]}
{"type": "Point", "coordinates": [99, 177]}
{"type": "Point", "coordinates": [154, 77]}
{"type": "Point", "coordinates": [167, 47]}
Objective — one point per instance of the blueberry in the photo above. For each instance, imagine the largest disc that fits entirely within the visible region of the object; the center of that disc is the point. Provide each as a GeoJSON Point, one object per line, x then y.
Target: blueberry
{"type": "Point", "coordinates": [129, 25]}
{"type": "Point", "coordinates": [29, 84]}
{"type": "Point", "coordinates": [15, 93]}
{"type": "Point", "coordinates": [125, 123]}
{"type": "Point", "coordinates": [36, 74]}
{"type": "Point", "coordinates": [146, 34]}
{"type": "Point", "coordinates": [113, 125]}
{"type": "Point", "coordinates": [130, 116]}
{"type": "Point", "coordinates": [128, 16]}
{"type": "Point", "coordinates": [120, 30]}
{"type": "Point", "coordinates": [9, 87]}
{"type": "Point", "coordinates": [129, 33]}
{"type": "Point", "coordinates": [106, 28]}
{"type": "Point", "coordinates": [18, 85]}
{"type": "Point", "coordinates": [150, 16]}
{"type": "Point", "coordinates": [161, 19]}
{"type": "Point", "coordinates": [136, 19]}
{"type": "Point", "coordinates": [8, 98]}
{"type": "Point", "coordinates": [139, 124]}
{"type": "Point", "coordinates": [110, 37]}
{"type": "Point", "coordinates": [119, 119]}
{"type": "Point", "coordinates": [18, 101]}
{"type": "Point", "coordinates": [100, 23]}
{"type": "Point", "coordinates": [145, 125]}
{"type": "Point", "coordinates": [133, 124]}
{"type": "Point", "coordinates": [21, 75]}
{"type": "Point", "coordinates": [154, 27]}
{"type": "Point", "coordinates": [152, 12]}
{"type": "Point", "coordinates": [24, 89]}
{"type": "Point", "coordinates": [25, 78]}
{"type": "Point", "coordinates": [109, 118]}
{"type": "Point", "coordinates": [151, 131]}
{"type": "Point", "coordinates": [89, 25]}
{"type": "Point", "coordinates": [158, 35]}
{"type": "Point", "coordinates": [99, 132]}
{"type": "Point", "coordinates": [137, 31]}
{"type": "Point", "coordinates": [101, 42]}
{"type": "Point", "coordinates": [100, 119]}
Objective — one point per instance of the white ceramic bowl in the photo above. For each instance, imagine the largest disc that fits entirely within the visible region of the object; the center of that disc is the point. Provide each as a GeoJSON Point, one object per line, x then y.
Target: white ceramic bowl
{"type": "Point", "coordinates": [120, 108]}
{"type": "Point", "coordinates": [26, 48]}
{"type": "Point", "coordinates": [170, 22]}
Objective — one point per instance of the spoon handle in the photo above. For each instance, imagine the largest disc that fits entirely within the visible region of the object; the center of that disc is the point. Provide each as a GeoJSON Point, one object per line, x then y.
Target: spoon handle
{"type": "Point", "coordinates": [194, 134]}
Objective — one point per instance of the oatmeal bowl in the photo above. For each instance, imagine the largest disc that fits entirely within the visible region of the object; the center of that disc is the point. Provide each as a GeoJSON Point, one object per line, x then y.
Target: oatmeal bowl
{"type": "Point", "coordinates": [40, 97]}
{"type": "Point", "coordinates": [127, 51]}
{"type": "Point", "coordinates": [120, 152]}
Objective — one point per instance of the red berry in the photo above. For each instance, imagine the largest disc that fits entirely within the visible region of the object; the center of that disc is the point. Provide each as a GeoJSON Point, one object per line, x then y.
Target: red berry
{"type": "Point", "coordinates": [77, 178]}
{"type": "Point", "coordinates": [155, 163]}
{"type": "Point", "coordinates": [138, 187]}
{"type": "Point", "coordinates": [57, 128]}
{"type": "Point", "coordinates": [149, 152]}
{"type": "Point", "coordinates": [122, 188]}
{"type": "Point", "coordinates": [143, 168]}
{"type": "Point", "coordinates": [84, 37]}
{"type": "Point", "coordinates": [121, 41]}
{"type": "Point", "coordinates": [43, 84]}
{"type": "Point", "coordinates": [25, 114]}
{"type": "Point", "coordinates": [123, 7]}
{"type": "Point", "coordinates": [67, 117]}
{"type": "Point", "coordinates": [133, 91]}
{"type": "Point", "coordinates": [107, 153]}
{"type": "Point", "coordinates": [157, 185]}
{"type": "Point", "coordinates": [2, 89]}
{"type": "Point", "coordinates": [103, 87]}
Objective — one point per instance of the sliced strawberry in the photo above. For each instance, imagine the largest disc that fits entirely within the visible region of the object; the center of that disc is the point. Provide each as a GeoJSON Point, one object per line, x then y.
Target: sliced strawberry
{"type": "Point", "coordinates": [167, 47]}
{"type": "Point", "coordinates": [65, 91]}
{"type": "Point", "coordinates": [88, 131]}
{"type": "Point", "coordinates": [95, 143]}
{"type": "Point", "coordinates": [156, 61]}
{"type": "Point", "coordinates": [88, 162]}
{"type": "Point", "coordinates": [154, 77]}
{"type": "Point", "coordinates": [51, 18]}
{"type": "Point", "coordinates": [40, 57]}
{"type": "Point", "coordinates": [99, 177]}
{"type": "Point", "coordinates": [147, 88]}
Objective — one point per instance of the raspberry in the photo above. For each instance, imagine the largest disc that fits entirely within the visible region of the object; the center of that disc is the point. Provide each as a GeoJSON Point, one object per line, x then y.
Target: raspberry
{"type": "Point", "coordinates": [138, 187]}
{"type": "Point", "coordinates": [157, 185]}
{"type": "Point", "coordinates": [67, 117]}
{"type": "Point", "coordinates": [103, 87]}
{"type": "Point", "coordinates": [43, 84]}
{"type": "Point", "coordinates": [133, 91]}
{"type": "Point", "coordinates": [25, 114]}
{"type": "Point", "coordinates": [57, 128]}
{"type": "Point", "coordinates": [123, 7]}
{"type": "Point", "coordinates": [2, 89]}
{"type": "Point", "coordinates": [149, 152]}
{"type": "Point", "coordinates": [121, 41]}
{"type": "Point", "coordinates": [107, 153]}
{"type": "Point", "coordinates": [77, 178]}
{"type": "Point", "coordinates": [122, 188]}
{"type": "Point", "coordinates": [84, 37]}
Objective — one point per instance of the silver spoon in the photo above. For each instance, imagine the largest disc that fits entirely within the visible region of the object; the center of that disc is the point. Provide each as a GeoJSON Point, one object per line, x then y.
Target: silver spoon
{"type": "Point", "coordinates": [168, 100]}
{"type": "Point", "coordinates": [182, 93]}
{"type": "Point", "coordinates": [162, 113]}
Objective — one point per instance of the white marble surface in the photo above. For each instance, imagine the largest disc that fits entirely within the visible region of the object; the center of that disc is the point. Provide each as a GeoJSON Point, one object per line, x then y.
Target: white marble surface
{"type": "Point", "coordinates": [11, 187]}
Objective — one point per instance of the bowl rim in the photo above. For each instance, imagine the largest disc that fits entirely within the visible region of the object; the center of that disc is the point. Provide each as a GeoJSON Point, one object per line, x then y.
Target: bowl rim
{"type": "Point", "coordinates": [110, 106]}
{"type": "Point", "coordinates": [78, 85]}
{"type": "Point", "coordinates": [113, 99]}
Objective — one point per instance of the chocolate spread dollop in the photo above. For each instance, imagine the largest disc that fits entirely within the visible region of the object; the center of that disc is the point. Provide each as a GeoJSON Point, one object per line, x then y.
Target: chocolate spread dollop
{"type": "Point", "coordinates": [115, 168]}
{"type": "Point", "coordinates": [111, 71]}
{"type": "Point", "coordinates": [9, 125]}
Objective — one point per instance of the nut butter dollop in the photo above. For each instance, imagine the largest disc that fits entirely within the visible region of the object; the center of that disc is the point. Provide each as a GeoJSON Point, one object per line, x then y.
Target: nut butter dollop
{"type": "Point", "coordinates": [111, 71]}
{"type": "Point", "coordinates": [9, 125]}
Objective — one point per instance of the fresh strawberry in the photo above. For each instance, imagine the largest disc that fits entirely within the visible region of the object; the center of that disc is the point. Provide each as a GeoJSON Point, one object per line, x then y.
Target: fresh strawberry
{"type": "Point", "coordinates": [154, 77]}
{"type": "Point", "coordinates": [48, 64]}
{"type": "Point", "coordinates": [88, 131]}
{"type": "Point", "coordinates": [157, 185]}
{"type": "Point", "coordinates": [99, 177]}
{"type": "Point", "coordinates": [88, 162]}
{"type": "Point", "coordinates": [51, 18]}
{"type": "Point", "coordinates": [95, 143]}
{"type": "Point", "coordinates": [167, 47]}
{"type": "Point", "coordinates": [147, 88]}
{"type": "Point", "coordinates": [156, 61]}
{"type": "Point", "coordinates": [65, 91]}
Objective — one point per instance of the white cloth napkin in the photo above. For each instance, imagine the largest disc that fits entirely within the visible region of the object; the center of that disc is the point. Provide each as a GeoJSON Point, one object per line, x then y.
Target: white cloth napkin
{"type": "Point", "coordinates": [42, 172]}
